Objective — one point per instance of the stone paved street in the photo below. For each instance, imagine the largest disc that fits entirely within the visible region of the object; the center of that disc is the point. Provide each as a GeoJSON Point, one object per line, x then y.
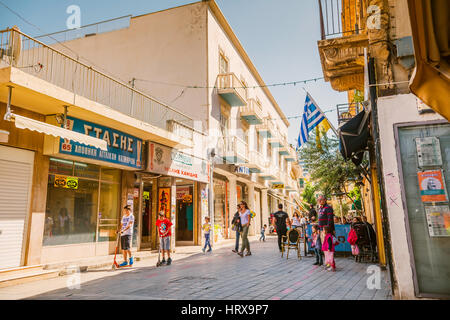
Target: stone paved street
{"type": "Point", "coordinates": [224, 275]}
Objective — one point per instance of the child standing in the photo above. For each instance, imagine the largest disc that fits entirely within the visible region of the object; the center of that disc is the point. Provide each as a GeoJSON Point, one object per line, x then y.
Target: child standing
{"type": "Point", "coordinates": [126, 235]}
{"type": "Point", "coordinates": [328, 249]}
{"type": "Point", "coordinates": [206, 230]}
{"type": "Point", "coordinates": [316, 244]}
{"type": "Point", "coordinates": [164, 225]}
{"type": "Point", "coordinates": [263, 233]}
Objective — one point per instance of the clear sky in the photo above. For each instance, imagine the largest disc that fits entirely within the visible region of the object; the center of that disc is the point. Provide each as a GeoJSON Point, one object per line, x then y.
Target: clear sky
{"type": "Point", "coordinates": [279, 36]}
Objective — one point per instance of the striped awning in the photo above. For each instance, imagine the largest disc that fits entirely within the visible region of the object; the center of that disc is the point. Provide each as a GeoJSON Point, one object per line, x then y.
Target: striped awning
{"type": "Point", "coordinates": [35, 125]}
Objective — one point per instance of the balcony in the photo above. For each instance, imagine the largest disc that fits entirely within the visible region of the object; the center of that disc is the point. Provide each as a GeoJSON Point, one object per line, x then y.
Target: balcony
{"type": "Point", "coordinates": [252, 112]}
{"type": "Point", "coordinates": [346, 111]}
{"type": "Point", "coordinates": [343, 41]}
{"type": "Point", "coordinates": [266, 129]}
{"type": "Point", "coordinates": [292, 154]}
{"type": "Point", "coordinates": [45, 79]}
{"type": "Point", "coordinates": [270, 173]}
{"type": "Point", "coordinates": [231, 89]}
{"type": "Point", "coordinates": [234, 150]}
{"type": "Point", "coordinates": [256, 162]}
{"type": "Point", "coordinates": [284, 148]}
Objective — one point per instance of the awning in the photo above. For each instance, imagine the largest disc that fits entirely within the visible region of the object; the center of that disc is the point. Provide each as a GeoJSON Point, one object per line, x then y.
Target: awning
{"type": "Point", "coordinates": [353, 137]}
{"type": "Point", "coordinates": [34, 125]}
{"type": "Point", "coordinates": [430, 27]}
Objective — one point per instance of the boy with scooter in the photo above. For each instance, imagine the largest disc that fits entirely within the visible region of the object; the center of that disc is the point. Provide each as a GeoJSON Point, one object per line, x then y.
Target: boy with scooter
{"type": "Point", "coordinates": [164, 225]}
{"type": "Point", "coordinates": [126, 234]}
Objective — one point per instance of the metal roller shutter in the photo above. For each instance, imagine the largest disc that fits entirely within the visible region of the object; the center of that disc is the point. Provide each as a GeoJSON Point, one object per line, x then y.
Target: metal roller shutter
{"type": "Point", "coordinates": [16, 171]}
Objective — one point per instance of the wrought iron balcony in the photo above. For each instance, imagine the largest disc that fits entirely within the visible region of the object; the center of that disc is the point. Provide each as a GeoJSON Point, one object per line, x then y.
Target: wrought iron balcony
{"type": "Point", "coordinates": [344, 37]}
{"type": "Point", "coordinates": [346, 111]}
{"type": "Point", "coordinates": [231, 89]}
{"type": "Point", "coordinates": [252, 112]}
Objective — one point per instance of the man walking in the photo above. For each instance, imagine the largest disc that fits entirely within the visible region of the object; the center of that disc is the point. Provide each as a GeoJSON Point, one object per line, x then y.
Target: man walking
{"type": "Point", "coordinates": [326, 216]}
{"type": "Point", "coordinates": [279, 222]}
{"type": "Point", "coordinates": [236, 223]}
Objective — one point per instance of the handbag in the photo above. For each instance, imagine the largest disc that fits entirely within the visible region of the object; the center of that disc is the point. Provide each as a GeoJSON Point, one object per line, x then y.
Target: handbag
{"type": "Point", "coordinates": [355, 250]}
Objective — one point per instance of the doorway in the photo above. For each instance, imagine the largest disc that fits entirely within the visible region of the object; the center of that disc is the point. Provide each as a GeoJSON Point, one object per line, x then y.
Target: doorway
{"type": "Point", "coordinates": [146, 209]}
{"type": "Point", "coordinates": [185, 212]}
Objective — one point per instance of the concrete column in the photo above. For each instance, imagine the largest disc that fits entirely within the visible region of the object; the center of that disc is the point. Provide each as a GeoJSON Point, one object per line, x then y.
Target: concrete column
{"type": "Point", "coordinates": [251, 205]}
{"type": "Point", "coordinates": [232, 200]}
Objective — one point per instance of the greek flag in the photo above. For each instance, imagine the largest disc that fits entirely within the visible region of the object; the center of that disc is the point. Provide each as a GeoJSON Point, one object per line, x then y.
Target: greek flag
{"type": "Point", "coordinates": [312, 116]}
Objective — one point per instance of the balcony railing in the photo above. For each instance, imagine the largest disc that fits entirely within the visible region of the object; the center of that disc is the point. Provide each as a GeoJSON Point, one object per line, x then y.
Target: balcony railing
{"type": "Point", "coordinates": [266, 129]}
{"type": "Point", "coordinates": [44, 62]}
{"type": "Point", "coordinates": [231, 89]}
{"type": "Point", "coordinates": [235, 150]}
{"type": "Point", "coordinates": [252, 112]}
{"type": "Point", "coordinates": [347, 111]}
{"type": "Point", "coordinates": [339, 18]}
{"type": "Point", "coordinates": [256, 161]}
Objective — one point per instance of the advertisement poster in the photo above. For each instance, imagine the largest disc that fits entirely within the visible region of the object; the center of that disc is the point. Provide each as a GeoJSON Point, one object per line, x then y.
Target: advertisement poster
{"type": "Point", "coordinates": [428, 151]}
{"type": "Point", "coordinates": [182, 192]}
{"type": "Point", "coordinates": [164, 201]}
{"type": "Point", "coordinates": [438, 220]}
{"type": "Point", "coordinates": [431, 186]}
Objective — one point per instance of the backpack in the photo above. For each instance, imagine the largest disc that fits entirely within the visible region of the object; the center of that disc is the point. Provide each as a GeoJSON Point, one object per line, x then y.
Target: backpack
{"type": "Point", "coordinates": [352, 237]}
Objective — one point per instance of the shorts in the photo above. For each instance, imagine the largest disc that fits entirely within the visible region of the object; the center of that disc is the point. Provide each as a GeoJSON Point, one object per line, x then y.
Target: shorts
{"type": "Point", "coordinates": [165, 243]}
{"type": "Point", "coordinates": [125, 241]}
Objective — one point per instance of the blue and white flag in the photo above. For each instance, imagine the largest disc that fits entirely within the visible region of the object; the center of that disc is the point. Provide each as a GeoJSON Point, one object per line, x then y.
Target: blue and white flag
{"type": "Point", "coordinates": [312, 116]}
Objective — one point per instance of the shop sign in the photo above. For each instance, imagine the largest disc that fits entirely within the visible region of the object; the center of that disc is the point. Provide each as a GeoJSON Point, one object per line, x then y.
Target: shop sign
{"type": "Point", "coordinates": [181, 192]}
{"type": "Point", "coordinates": [123, 149]}
{"type": "Point", "coordinates": [187, 198]}
{"type": "Point", "coordinates": [242, 170]}
{"type": "Point", "coordinates": [146, 195]}
{"type": "Point", "coordinates": [66, 182]}
{"type": "Point", "coordinates": [278, 186]}
{"type": "Point", "coordinates": [431, 186]}
{"type": "Point", "coordinates": [171, 162]}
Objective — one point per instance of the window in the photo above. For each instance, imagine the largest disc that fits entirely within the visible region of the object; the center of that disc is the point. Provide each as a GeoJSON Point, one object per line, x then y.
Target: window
{"type": "Point", "coordinates": [87, 210]}
{"type": "Point", "coordinates": [429, 223]}
{"type": "Point", "coordinates": [223, 64]}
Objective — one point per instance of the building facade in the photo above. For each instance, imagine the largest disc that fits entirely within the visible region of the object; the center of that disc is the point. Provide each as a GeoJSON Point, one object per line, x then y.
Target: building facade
{"type": "Point", "coordinates": [190, 56]}
{"type": "Point", "coordinates": [387, 72]}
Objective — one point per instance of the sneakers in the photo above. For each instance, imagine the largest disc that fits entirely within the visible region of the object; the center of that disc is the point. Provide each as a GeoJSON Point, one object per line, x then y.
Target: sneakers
{"type": "Point", "coordinates": [131, 261]}
{"type": "Point", "coordinates": [248, 253]}
{"type": "Point", "coordinates": [163, 261]}
{"type": "Point", "coordinates": [203, 249]}
{"type": "Point", "coordinates": [209, 250]}
{"type": "Point", "coordinates": [123, 264]}
{"type": "Point", "coordinates": [241, 254]}
{"type": "Point", "coordinates": [169, 261]}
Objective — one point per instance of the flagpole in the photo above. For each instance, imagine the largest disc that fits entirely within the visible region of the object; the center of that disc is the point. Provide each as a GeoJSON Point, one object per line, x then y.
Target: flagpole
{"type": "Point", "coordinates": [317, 105]}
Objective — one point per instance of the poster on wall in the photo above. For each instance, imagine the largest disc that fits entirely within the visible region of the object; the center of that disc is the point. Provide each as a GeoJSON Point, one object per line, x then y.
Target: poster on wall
{"type": "Point", "coordinates": [431, 186]}
{"type": "Point", "coordinates": [438, 220]}
{"type": "Point", "coordinates": [164, 201]}
{"type": "Point", "coordinates": [428, 151]}
{"type": "Point", "coordinates": [182, 192]}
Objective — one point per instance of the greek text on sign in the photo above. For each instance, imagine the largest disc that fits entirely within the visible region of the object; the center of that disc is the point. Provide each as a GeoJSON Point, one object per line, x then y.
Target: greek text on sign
{"type": "Point", "coordinates": [277, 186]}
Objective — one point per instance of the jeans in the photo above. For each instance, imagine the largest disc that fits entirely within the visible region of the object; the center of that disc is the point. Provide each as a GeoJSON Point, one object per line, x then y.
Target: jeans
{"type": "Point", "coordinates": [318, 254]}
{"type": "Point", "coordinates": [238, 235]}
{"type": "Point", "coordinates": [263, 236]}
{"type": "Point", "coordinates": [245, 243]}
{"type": "Point", "coordinates": [280, 233]}
{"type": "Point", "coordinates": [207, 242]}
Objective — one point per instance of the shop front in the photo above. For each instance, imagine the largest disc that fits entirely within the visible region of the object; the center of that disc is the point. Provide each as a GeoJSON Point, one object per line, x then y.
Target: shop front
{"type": "Point", "coordinates": [85, 192]}
{"type": "Point", "coordinates": [221, 207]}
{"type": "Point", "coordinates": [180, 192]}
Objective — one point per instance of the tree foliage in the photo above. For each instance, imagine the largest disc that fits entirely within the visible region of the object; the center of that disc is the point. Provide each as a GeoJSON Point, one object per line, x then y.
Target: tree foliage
{"type": "Point", "coordinates": [308, 195]}
{"type": "Point", "coordinates": [328, 169]}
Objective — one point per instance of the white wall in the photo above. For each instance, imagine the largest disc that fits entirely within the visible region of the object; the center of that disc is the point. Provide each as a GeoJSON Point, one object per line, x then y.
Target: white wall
{"type": "Point", "coordinates": [392, 110]}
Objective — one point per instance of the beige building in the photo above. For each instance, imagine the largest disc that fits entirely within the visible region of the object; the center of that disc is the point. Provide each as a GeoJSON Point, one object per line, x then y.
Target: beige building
{"type": "Point", "coordinates": [190, 57]}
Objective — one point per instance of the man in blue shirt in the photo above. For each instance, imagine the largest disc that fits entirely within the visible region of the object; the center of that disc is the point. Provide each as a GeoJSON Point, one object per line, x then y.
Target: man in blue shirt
{"type": "Point", "coordinates": [326, 215]}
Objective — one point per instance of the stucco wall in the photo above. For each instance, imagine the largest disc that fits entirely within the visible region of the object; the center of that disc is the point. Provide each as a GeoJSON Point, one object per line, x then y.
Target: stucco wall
{"type": "Point", "coordinates": [393, 110]}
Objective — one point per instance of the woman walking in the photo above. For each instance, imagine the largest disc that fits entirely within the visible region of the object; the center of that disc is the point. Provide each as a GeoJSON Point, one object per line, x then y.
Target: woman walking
{"type": "Point", "coordinates": [295, 220]}
{"type": "Point", "coordinates": [245, 217]}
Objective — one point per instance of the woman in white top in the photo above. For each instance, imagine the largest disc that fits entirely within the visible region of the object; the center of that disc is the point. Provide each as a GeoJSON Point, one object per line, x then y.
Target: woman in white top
{"type": "Point", "coordinates": [245, 217]}
{"type": "Point", "coordinates": [295, 220]}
